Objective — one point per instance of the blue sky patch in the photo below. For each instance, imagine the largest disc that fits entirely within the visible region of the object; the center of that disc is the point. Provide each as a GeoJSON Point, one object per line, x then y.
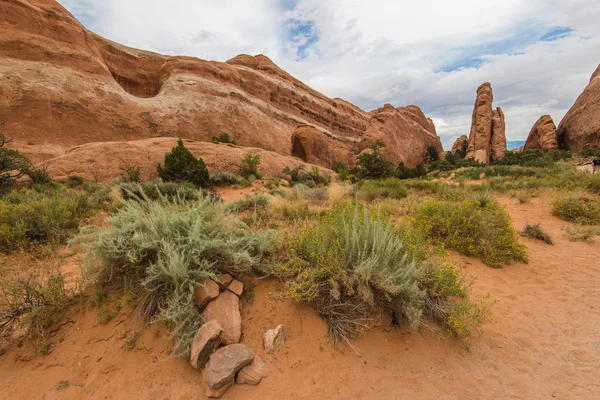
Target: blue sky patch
{"type": "Point", "coordinates": [474, 57]}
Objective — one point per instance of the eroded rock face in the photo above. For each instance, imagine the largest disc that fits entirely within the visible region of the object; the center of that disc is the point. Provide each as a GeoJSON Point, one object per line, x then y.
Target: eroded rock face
{"type": "Point", "coordinates": [64, 86]}
{"type": "Point", "coordinates": [543, 135]}
{"type": "Point", "coordinates": [226, 310]}
{"type": "Point", "coordinates": [315, 147]}
{"type": "Point", "coordinates": [487, 140]}
{"type": "Point", "coordinates": [101, 161]}
{"type": "Point", "coordinates": [461, 143]}
{"type": "Point", "coordinates": [498, 144]}
{"type": "Point", "coordinates": [405, 134]}
{"type": "Point", "coordinates": [580, 127]}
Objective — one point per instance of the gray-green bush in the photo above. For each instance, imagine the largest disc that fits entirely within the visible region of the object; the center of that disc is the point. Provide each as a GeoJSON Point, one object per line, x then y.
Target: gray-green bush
{"type": "Point", "coordinates": [165, 248]}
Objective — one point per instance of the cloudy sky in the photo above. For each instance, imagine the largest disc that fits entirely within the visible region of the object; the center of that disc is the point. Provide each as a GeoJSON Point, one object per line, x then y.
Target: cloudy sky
{"type": "Point", "coordinates": [538, 54]}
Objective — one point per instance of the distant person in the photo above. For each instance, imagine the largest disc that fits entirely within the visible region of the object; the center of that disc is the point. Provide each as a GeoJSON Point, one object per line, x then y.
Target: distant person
{"type": "Point", "coordinates": [595, 165]}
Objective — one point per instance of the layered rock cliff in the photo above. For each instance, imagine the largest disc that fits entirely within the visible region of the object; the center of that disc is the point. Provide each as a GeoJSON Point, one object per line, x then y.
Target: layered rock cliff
{"type": "Point", "coordinates": [542, 136]}
{"type": "Point", "coordinates": [62, 85]}
{"type": "Point", "coordinates": [487, 139]}
{"type": "Point", "coordinates": [580, 127]}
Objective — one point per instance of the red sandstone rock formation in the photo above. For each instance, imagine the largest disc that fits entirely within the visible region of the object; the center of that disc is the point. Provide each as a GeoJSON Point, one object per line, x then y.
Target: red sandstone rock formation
{"type": "Point", "coordinates": [315, 147]}
{"type": "Point", "coordinates": [404, 132]}
{"type": "Point", "coordinates": [543, 135]}
{"type": "Point", "coordinates": [460, 143]}
{"type": "Point", "coordinates": [498, 144]}
{"type": "Point", "coordinates": [580, 128]}
{"type": "Point", "coordinates": [64, 86]}
{"type": "Point", "coordinates": [487, 140]}
{"type": "Point", "coordinates": [102, 161]}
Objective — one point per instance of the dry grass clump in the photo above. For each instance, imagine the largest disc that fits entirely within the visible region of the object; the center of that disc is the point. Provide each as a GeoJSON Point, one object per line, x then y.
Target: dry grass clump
{"type": "Point", "coordinates": [535, 231]}
{"type": "Point", "coordinates": [579, 233]}
{"type": "Point", "coordinates": [34, 300]}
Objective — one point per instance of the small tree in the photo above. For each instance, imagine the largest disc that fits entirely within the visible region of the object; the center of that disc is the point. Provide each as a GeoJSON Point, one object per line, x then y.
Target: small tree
{"type": "Point", "coordinates": [182, 166]}
{"type": "Point", "coordinates": [13, 164]}
{"type": "Point", "coordinates": [372, 165]}
{"type": "Point", "coordinates": [250, 165]}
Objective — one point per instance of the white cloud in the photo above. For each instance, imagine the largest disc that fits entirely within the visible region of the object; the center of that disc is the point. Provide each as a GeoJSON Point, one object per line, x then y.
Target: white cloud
{"type": "Point", "coordinates": [377, 51]}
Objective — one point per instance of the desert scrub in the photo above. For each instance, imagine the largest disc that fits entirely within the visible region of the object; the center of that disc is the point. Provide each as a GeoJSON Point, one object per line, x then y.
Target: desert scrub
{"type": "Point", "coordinates": [389, 188]}
{"type": "Point", "coordinates": [31, 300]}
{"type": "Point", "coordinates": [41, 214]}
{"type": "Point", "coordinates": [479, 227]}
{"type": "Point", "coordinates": [157, 189]}
{"type": "Point", "coordinates": [222, 178]}
{"type": "Point", "coordinates": [535, 231]}
{"type": "Point", "coordinates": [579, 233]}
{"type": "Point", "coordinates": [584, 210]}
{"type": "Point", "coordinates": [352, 263]}
{"type": "Point", "coordinates": [249, 203]}
{"type": "Point", "coordinates": [163, 248]}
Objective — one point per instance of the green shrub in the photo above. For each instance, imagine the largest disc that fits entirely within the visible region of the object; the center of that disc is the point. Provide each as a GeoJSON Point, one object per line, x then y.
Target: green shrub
{"type": "Point", "coordinates": [250, 165]}
{"type": "Point", "coordinates": [352, 263]}
{"type": "Point", "coordinates": [474, 227]}
{"type": "Point", "coordinates": [535, 231]}
{"type": "Point", "coordinates": [131, 173]}
{"type": "Point", "coordinates": [442, 165]}
{"type": "Point", "coordinates": [403, 172]}
{"type": "Point", "coordinates": [372, 165]}
{"type": "Point", "coordinates": [388, 188]}
{"type": "Point", "coordinates": [182, 166]}
{"type": "Point", "coordinates": [310, 179]}
{"type": "Point", "coordinates": [74, 181]}
{"type": "Point", "coordinates": [594, 184]}
{"type": "Point", "coordinates": [13, 165]}
{"type": "Point", "coordinates": [227, 179]}
{"type": "Point", "coordinates": [579, 209]}
{"type": "Point", "coordinates": [39, 175]}
{"type": "Point", "coordinates": [41, 214]}
{"type": "Point", "coordinates": [164, 249]}
{"type": "Point", "coordinates": [222, 138]}
{"type": "Point", "coordinates": [249, 203]}
{"type": "Point", "coordinates": [533, 158]}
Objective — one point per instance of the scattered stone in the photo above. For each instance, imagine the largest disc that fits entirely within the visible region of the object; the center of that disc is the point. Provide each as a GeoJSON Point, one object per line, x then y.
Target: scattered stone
{"type": "Point", "coordinates": [226, 309]}
{"type": "Point", "coordinates": [224, 280]}
{"type": "Point", "coordinates": [223, 364]}
{"type": "Point", "coordinates": [253, 373]}
{"type": "Point", "coordinates": [205, 292]}
{"type": "Point", "coordinates": [284, 183]}
{"type": "Point", "coordinates": [207, 340]}
{"type": "Point", "coordinates": [236, 287]}
{"type": "Point", "coordinates": [217, 393]}
{"type": "Point", "coordinates": [273, 338]}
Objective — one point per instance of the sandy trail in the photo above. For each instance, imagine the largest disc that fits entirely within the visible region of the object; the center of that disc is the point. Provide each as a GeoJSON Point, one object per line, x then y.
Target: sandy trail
{"type": "Point", "coordinates": [544, 343]}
